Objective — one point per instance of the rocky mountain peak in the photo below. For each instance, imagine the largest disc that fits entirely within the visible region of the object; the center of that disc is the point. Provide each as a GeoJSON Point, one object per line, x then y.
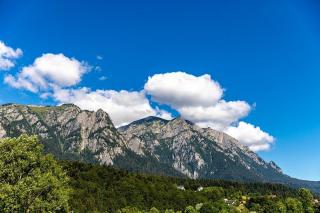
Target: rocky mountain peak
{"type": "Point", "coordinates": [177, 125]}
{"type": "Point", "coordinates": [181, 121]}
{"type": "Point", "coordinates": [192, 150]}
{"type": "Point", "coordinates": [66, 130]}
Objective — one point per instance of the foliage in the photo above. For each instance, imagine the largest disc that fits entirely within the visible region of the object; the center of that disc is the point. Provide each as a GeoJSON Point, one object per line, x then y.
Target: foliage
{"type": "Point", "coordinates": [30, 180]}
{"type": "Point", "coordinates": [306, 198]}
{"type": "Point", "coordinates": [294, 205]}
{"type": "Point", "coordinates": [108, 189]}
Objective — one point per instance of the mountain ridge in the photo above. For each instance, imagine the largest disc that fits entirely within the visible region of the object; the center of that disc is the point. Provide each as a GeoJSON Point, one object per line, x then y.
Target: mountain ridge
{"type": "Point", "coordinates": [265, 172]}
{"type": "Point", "coordinates": [174, 147]}
{"type": "Point", "coordinates": [180, 127]}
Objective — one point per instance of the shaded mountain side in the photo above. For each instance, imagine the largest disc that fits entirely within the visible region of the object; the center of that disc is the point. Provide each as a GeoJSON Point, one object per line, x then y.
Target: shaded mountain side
{"type": "Point", "coordinates": [132, 162]}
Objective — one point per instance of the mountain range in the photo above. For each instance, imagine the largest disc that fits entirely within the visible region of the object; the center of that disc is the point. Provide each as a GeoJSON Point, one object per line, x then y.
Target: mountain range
{"type": "Point", "coordinates": [151, 145]}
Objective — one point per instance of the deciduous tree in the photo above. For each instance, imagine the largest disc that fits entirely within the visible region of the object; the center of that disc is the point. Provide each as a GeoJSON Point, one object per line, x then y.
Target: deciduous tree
{"type": "Point", "coordinates": [29, 180]}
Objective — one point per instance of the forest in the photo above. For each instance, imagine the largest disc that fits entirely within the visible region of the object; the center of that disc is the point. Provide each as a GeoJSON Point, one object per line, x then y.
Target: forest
{"type": "Point", "coordinates": [107, 189]}
{"type": "Point", "coordinates": [31, 181]}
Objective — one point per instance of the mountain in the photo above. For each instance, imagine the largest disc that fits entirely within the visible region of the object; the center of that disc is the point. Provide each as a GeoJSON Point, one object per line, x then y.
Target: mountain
{"type": "Point", "coordinates": [66, 131]}
{"type": "Point", "coordinates": [150, 145]}
{"type": "Point", "coordinates": [202, 152]}
{"type": "Point", "coordinates": [196, 152]}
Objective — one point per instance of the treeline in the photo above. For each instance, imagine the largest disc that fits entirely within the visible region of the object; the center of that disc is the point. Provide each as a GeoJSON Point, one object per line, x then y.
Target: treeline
{"type": "Point", "coordinates": [107, 189]}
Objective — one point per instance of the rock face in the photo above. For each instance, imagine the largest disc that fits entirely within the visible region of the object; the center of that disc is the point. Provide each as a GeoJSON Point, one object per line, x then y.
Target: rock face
{"type": "Point", "coordinates": [202, 152]}
{"type": "Point", "coordinates": [152, 145]}
{"type": "Point", "coordinates": [194, 151]}
{"type": "Point", "coordinates": [66, 131]}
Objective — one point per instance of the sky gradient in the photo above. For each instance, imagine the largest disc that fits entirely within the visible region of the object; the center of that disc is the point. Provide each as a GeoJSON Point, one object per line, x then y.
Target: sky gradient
{"type": "Point", "coordinates": [263, 52]}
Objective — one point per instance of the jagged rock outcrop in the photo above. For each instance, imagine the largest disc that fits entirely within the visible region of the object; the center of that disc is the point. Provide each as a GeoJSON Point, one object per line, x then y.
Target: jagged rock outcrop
{"type": "Point", "coordinates": [66, 131]}
{"type": "Point", "coordinates": [195, 152]}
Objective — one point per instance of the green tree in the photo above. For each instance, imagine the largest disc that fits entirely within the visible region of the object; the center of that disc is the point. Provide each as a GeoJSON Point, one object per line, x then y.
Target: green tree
{"type": "Point", "coordinates": [29, 180]}
{"type": "Point", "coordinates": [255, 207]}
{"type": "Point", "coordinates": [281, 207]}
{"type": "Point", "coordinates": [154, 210]}
{"type": "Point", "coordinates": [207, 208]}
{"type": "Point", "coordinates": [190, 209]}
{"type": "Point", "coordinates": [294, 205]}
{"type": "Point", "coordinates": [306, 199]}
{"type": "Point", "coordinates": [214, 193]}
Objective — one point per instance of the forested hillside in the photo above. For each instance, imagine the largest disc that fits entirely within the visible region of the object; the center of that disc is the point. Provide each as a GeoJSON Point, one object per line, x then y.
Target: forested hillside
{"type": "Point", "coordinates": [108, 189]}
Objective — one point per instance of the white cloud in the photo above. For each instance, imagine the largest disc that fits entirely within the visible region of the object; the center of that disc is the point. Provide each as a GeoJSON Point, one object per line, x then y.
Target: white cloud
{"type": "Point", "coordinates": [199, 99]}
{"type": "Point", "coordinates": [251, 136]}
{"type": "Point", "coordinates": [218, 116]}
{"type": "Point", "coordinates": [196, 98]}
{"type": "Point", "coordinates": [179, 89]}
{"type": "Point", "coordinates": [163, 114]}
{"type": "Point", "coordinates": [53, 75]}
{"type": "Point", "coordinates": [7, 56]}
{"type": "Point", "coordinates": [48, 71]}
{"type": "Point", "coordinates": [122, 106]}
{"type": "Point", "coordinates": [20, 83]}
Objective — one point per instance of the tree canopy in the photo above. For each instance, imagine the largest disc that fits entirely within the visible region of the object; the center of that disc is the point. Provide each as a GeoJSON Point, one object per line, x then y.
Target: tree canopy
{"type": "Point", "coordinates": [29, 179]}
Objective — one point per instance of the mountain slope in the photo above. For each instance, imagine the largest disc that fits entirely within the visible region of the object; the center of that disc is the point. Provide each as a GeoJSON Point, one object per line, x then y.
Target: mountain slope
{"type": "Point", "coordinates": [202, 152]}
{"type": "Point", "coordinates": [66, 131]}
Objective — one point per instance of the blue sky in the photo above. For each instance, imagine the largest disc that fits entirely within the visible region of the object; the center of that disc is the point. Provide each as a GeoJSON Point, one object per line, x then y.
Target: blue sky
{"type": "Point", "coordinates": [265, 53]}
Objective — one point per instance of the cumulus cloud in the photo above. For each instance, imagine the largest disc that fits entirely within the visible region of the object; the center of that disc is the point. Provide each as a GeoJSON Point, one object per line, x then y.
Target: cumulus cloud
{"type": "Point", "coordinates": [54, 75]}
{"type": "Point", "coordinates": [251, 136]}
{"type": "Point", "coordinates": [20, 83]}
{"type": "Point", "coordinates": [196, 98]}
{"type": "Point", "coordinates": [219, 116]}
{"type": "Point", "coordinates": [163, 114]}
{"type": "Point", "coordinates": [180, 89]}
{"type": "Point", "coordinates": [48, 71]}
{"type": "Point", "coordinates": [8, 56]}
{"type": "Point", "coordinates": [122, 106]}
{"type": "Point", "coordinates": [199, 99]}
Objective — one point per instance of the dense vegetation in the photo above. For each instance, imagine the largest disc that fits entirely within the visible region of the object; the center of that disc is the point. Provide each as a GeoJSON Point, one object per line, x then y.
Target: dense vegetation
{"type": "Point", "coordinates": [104, 188]}
{"type": "Point", "coordinates": [29, 180]}
{"type": "Point", "coordinates": [33, 182]}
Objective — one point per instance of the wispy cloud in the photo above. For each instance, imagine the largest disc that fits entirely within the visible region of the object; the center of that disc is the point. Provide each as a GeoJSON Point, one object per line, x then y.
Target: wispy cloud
{"type": "Point", "coordinates": [8, 56]}
{"type": "Point", "coordinates": [103, 78]}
